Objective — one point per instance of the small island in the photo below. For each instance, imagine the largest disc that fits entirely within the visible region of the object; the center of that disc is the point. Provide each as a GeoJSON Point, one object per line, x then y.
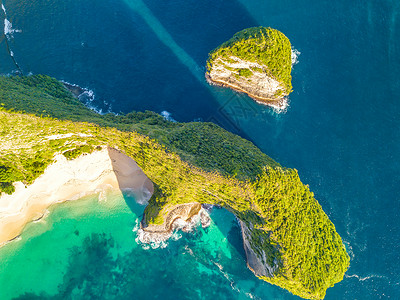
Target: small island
{"type": "Point", "coordinates": [256, 61]}
{"type": "Point", "coordinates": [55, 149]}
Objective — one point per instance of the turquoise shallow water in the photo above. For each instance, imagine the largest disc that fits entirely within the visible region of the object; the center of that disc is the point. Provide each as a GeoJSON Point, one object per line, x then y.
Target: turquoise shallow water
{"type": "Point", "coordinates": [88, 249]}
{"type": "Point", "coordinates": [341, 131]}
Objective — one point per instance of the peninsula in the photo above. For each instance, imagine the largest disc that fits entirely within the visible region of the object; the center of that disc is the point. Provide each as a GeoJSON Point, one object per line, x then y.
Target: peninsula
{"type": "Point", "coordinates": [177, 167]}
{"type": "Point", "coordinates": [256, 61]}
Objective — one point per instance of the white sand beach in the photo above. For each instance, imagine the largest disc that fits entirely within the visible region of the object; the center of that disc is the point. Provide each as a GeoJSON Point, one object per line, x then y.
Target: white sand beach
{"type": "Point", "coordinates": [66, 180]}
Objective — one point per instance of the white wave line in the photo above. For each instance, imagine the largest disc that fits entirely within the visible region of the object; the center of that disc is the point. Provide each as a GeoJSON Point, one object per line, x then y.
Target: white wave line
{"type": "Point", "coordinates": [295, 56]}
{"type": "Point", "coordinates": [360, 278]}
{"type": "Point", "coordinates": [8, 29]}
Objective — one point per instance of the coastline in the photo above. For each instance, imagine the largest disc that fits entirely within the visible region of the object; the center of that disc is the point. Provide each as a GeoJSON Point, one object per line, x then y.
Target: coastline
{"type": "Point", "coordinates": [182, 216]}
{"type": "Point", "coordinates": [254, 263]}
{"type": "Point", "coordinates": [76, 90]}
{"type": "Point", "coordinates": [277, 104]}
{"type": "Point", "coordinates": [68, 180]}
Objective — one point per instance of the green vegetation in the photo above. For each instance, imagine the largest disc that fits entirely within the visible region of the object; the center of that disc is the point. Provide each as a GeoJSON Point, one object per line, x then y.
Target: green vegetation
{"type": "Point", "coordinates": [245, 72]}
{"type": "Point", "coordinates": [78, 151]}
{"type": "Point", "coordinates": [193, 162]}
{"type": "Point", "coordinates": [263, 45]}
{"type": "Point", "coordinates": [46, 97]}
{"type": "Point", "coordinates": [282, 198]}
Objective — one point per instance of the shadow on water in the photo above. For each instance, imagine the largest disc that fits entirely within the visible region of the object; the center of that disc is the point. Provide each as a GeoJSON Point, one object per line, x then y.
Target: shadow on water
{"type": "Point", "coordinates": [229, 226]}
{"type": "Point", "coordinates": [106, 47]}
{"type": "Point", "coordinates": [200, 27]}
{"type": "Point", "coordinates": [136, 187]}
{"type": "Point", "coordinates": [191, 31]}
{"type": "Point", "coordinates": [113, 51]}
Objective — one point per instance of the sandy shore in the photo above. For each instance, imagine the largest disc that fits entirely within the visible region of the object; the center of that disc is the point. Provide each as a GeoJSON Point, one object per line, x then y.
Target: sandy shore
{"type": "Point", "coordinates": [66, 180]}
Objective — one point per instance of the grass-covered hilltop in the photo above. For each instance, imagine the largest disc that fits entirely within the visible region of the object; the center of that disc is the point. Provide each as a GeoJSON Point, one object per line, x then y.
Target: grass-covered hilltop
{"type": "Point", "coordinates": [289, 240]}
{"type": "Point", "coordinates": [256, 61]}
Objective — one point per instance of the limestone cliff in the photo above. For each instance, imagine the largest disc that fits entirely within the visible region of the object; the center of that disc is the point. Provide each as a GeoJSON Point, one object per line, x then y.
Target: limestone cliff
{"type": "Point", "coordinates": [256, 61]}
{"type": "Point", "coordinates": [286, 233]}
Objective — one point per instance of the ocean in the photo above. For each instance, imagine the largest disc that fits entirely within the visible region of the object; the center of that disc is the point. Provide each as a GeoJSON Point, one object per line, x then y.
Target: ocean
{"type": "Point", "coordinates": [341, 132]}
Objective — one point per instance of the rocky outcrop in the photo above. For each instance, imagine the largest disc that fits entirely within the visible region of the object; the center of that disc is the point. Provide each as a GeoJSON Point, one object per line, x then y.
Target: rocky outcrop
{"type": "Point", "coordinates": [256, 61]}
{"type": "Point", "coordinates": [255, 263]}
{"type": "Point", "coordinates": [247, 77]}
{"type": "Point", "coordinates": [182, 216]}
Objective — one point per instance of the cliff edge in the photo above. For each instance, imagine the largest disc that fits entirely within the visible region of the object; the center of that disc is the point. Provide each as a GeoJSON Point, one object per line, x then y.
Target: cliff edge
{"type": "Point", "coordinates": [256, 61]}
{"type": "Point", "coordinates": [289, 240]}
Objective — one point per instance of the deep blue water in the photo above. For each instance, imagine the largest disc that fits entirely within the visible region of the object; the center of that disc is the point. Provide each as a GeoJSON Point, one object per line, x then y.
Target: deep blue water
{"type": "Point", "coordinates": [341, 131]}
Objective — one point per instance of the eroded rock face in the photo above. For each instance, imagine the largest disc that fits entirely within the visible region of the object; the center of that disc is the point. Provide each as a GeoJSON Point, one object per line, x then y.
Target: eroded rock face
{"type": "Point", "coordinates": [256, 83]}
{"type": "Point", "coordinates": [256, 61]}
{"type": "Point", "coordinates": [182, 216]}
{"type": "Point", "coordinates": [256, 263]}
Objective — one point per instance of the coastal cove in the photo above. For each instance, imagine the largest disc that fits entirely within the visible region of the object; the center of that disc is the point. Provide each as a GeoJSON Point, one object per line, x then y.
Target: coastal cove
{"type": "Point", "coordinates": [136, 55]}
{"type": "Point", "coordinates": [286, 233]}
{"type": "Point", "coordinates": [102, 171]}
{"type": "Point", "coordinates": [88, 231]}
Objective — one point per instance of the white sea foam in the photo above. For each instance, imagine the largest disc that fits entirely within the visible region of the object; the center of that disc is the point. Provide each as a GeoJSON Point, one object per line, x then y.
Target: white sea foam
{"type": "Point", "coordinates": [151, 240]}
{"type": "Point", "coordinates": [9, 30]}
{"type": "Point", "coordinates": [159, 240]}
{"type": "Point", "coordinates": [7, 27]}
{"type": "Point", "coordinates": [227, 276]}
{"type": "Point", "coordinates": [137, 225]}
{"type": "Point", "coordinates": [361, 278]}
{"type": "Point", "coordinates": [167, 116]}
{"type": "Point", "coordinates": [295, 56]}
{"type": "Point", "coordinates": [176, 236]}
{"type": "Point", "coordinates": [4, 9]}
{"type": "Point", "coordinates": [280, 108]}
{"type": "Point", "coordinates": [141, 195]}
{"type": "Point", "coordinates": [87, 96]}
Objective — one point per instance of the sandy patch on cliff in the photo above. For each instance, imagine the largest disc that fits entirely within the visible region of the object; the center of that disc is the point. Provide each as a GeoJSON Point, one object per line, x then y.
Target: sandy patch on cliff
{"type": "Point", "coordinates": [67, 180]}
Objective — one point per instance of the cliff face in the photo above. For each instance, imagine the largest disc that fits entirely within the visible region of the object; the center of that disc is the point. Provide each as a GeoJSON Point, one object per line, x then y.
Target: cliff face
{"type": "Point", "coordinates": [183, 211]}
{"type": "Point", "coordinates": [256, 83]}
{"type": "Point", "coordinates": [256, 262]}
{"type": "Point", "coordinates": [288, 238]}
{"type": "Point", "coordinates": [256, 61]}
{"type": "Point", "coordinates": [181, 216]}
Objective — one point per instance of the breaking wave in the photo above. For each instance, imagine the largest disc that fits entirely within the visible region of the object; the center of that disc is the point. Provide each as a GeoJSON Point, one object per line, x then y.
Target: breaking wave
{"type": "Point", "coordinates": [9, 34]}
{"type": "Point", "coordinates": [156, 240]}
{"type": "Point", "coordinates": [295, 56]}
{"type": "Point", "coordinates": [167, 116]}
{"type": "Point", "coordinates": [85, 95]}
{"type": "Point", "coordinates": [8, 28]}
{"type": "Point", "coordinates": [360, 278]}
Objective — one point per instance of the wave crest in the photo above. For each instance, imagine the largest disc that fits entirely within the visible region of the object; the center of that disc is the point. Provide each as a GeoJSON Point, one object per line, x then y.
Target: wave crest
{"type": "Point", "coordinates": [295, 56]}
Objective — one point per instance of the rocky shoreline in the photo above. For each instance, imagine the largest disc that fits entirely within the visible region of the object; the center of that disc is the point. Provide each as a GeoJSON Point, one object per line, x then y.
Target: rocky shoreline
{"type": "Point", "coordinates": [278, 104]}
{"type": "Point", "coordinates": [76, 90]}
{"type": "Point", "coordinates": [182, 217]}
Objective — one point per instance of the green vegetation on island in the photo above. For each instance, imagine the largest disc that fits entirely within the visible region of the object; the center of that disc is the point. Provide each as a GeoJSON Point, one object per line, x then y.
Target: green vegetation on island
{"type": "Point", "coordinates": [263, 49]}
{"type": "Point", "coordinates": [187, 162]}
